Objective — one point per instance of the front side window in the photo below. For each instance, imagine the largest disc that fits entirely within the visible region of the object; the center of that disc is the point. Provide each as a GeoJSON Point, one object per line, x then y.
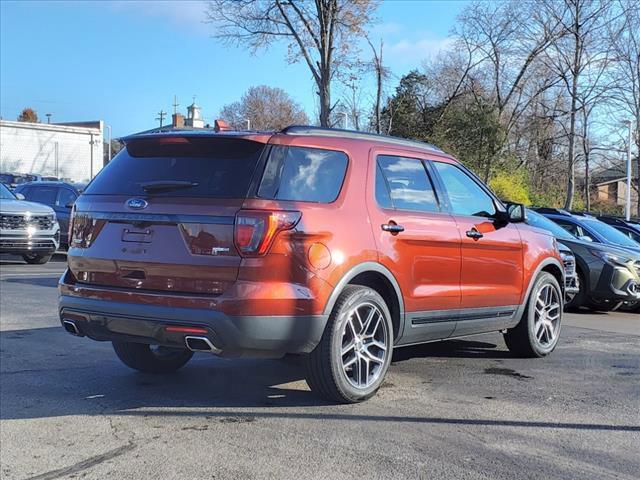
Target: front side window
{"type": "Point", "coordinates": [572, 228]}
{"type": "Point", "coordinates": [303, 174]}
{"type": "Point", "coordinates": [465, 195]}
{"type": "Point", "coordinates": [65, 197]}
{"type": "Point", "coordinates": [405, 184]}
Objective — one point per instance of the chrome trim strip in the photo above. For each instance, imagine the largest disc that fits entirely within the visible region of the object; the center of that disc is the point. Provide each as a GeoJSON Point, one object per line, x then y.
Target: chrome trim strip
{"type": "Point", "coordinates": [158, 218]}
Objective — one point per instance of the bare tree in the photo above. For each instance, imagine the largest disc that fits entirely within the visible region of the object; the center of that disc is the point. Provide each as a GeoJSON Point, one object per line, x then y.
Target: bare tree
{"type": "Point", "coordinates": [580, 60]}
{"type": "Point", "coordinates": [381, 73]}
{"type": "Point", "coordinates": [624, 37]}
{"type": "Point", "coordinates": [504, 41]}
{"type": "Point", "coordinates": [322, 32]}
{"type": "Point", "coordinates": [264, 108]}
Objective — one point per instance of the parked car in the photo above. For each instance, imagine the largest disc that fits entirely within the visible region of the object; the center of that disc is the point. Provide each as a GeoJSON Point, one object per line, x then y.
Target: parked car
{"type": "Point", "coordinates": [26, 228]}
{"type": "Point", "coordinates": [607, 275]}
{"type": "Point", "coordinates": [588, 227]}
{"type": "Point", "coordinates": [571, 281]}
{"type": "Point", "coordinates": [12, 180]}
{"type": "Point", "coordinates": [334, 244]}
{"type": "Point", "coordinates": [630, 228]}
{"type": "Point", "coordinates": [58, 195]}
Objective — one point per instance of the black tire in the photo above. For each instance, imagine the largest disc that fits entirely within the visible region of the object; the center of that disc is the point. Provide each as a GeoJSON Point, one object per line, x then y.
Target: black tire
{"type": "Point", "coordinates": [324, 365]}
{"type": "Point", "coordinates": [521, 340]}
{"type": "Point", "coordinates": [37, 258]}
{"type": "Point", "coordinates": [580, 299]}
{"type": "Point", "coordinates": [142, 357]}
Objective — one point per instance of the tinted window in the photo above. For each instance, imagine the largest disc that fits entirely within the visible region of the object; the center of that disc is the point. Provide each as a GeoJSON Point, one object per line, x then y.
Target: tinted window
{"type": "Point", "coordinates": [408, 184]}
{"type": "Point", "coordinates": [632, 234]}
{"type": "Point", "coordinates": [540, 221]}
{"type": "Point", "coordinates": [46, 195]}
{"type": "Point", "coordinates": [383, 197]}
{"type": "Point", "coordinates": [610, 233]}
{"type": "Point", "coordinates": [303, 174]}
{"type": "Point", "coordinates": [65, 196]}
{"type": "Point", "coordinates": [465, 195]}
{"type": "Point", "coordinates": [218, 167]}
{"type": "Point", "coordinates": [570, 227]}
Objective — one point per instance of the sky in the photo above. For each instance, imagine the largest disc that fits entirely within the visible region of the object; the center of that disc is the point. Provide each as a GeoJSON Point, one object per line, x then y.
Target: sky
{"type": "Point", "coordinates": [123, 61]}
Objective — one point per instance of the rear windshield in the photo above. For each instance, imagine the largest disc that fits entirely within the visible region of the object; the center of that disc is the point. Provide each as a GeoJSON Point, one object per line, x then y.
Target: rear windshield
{"type": "Point", "coordinates": [201, 167]}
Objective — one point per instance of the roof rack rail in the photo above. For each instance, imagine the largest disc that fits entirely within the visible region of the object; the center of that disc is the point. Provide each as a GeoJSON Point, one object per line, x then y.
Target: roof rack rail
{"type": "Point", "coordinates": [354, 134]}
{"type": "Point", "coordinates": [581, 213]}
{"type": "Point", "coordinates": [554, 211]}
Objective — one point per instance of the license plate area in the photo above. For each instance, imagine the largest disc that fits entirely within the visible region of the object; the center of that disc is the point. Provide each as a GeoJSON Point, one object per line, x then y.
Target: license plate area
{"type": "Point", "coordinates": [137, 236]}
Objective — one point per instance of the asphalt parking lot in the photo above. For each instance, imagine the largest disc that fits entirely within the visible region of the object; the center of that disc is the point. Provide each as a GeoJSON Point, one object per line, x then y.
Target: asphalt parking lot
{"type": "Point", "coordinates": [456, 409]}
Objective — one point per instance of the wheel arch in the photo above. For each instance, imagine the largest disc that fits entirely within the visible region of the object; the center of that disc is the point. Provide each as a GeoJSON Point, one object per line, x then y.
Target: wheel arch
{"type": "Point", "coordinates": [550, 265]}
{"type": "Point", "coordinates": [379, 278]}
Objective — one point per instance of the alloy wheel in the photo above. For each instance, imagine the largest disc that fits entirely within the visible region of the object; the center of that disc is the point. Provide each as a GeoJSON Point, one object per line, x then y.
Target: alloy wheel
{"type": "Point", "coordinates": [365, 345]}
{"type": "Point", "coordinates": [547, 316]}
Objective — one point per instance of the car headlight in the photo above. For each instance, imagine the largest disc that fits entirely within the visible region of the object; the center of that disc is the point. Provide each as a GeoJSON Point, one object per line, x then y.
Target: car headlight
{"type": "Point", "coordinates": [53, 217]}
{"type": "Point", "coordinates": [613, 259]}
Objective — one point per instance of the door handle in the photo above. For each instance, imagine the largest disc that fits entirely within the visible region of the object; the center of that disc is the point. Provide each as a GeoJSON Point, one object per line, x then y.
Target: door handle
{"type": "Point", "coordinates": [392, 228]}
{"type": "Point", "coordinates": [474, 233]}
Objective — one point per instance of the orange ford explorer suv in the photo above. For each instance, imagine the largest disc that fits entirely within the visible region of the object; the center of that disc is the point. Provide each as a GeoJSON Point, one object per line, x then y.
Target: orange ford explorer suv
{"type": "Point", "coordinates": [333, 244]}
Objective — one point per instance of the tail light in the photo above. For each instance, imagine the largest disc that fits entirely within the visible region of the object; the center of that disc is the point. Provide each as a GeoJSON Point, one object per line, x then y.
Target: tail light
{"type": "Point", "coordinates": [256, 229]}
{"type": "Point", "coordinates": [70, 231]}
{"type": "Point", "coordinates": [83, 229]}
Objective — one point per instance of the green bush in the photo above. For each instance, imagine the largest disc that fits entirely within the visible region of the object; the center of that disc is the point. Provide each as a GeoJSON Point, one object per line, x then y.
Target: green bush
{"type": "Point", "coordinates": [511, 186]}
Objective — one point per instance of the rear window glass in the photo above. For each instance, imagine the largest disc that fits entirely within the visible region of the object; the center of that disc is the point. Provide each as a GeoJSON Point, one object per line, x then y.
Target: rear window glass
{"type": "Point", "coordinates": [303, 174]}
{"type": "Point", "coordinates": [199, 167]}
{"type": "Point", "coordinates": [46, 195]}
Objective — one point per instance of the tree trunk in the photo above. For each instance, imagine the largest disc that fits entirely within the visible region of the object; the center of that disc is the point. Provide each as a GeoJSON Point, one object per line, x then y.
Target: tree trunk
{"type": "Point", "coordinates": [379, 90]}
{"type": "Point", "coordinates": [575, 74]}
{"type": "Point", "coordinates": [324, 91]}
{"type": "Point", "coordinates": [587, 196]}
{"type": "Point", "coordinates": [638, 163]}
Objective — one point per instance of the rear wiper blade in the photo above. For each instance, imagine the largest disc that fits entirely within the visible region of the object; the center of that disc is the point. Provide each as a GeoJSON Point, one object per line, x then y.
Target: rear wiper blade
{"type": "Point", "coordinates": [167, 185]}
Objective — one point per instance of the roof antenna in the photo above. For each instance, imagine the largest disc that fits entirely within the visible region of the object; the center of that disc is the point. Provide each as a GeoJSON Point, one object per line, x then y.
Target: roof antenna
{"type": "Point", "coordinates": [175, 104]}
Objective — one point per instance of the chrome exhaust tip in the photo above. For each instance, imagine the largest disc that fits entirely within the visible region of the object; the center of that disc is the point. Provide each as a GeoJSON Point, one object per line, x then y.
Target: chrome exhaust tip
{"type": "Point", "coordinates": [200, 344]}
{"type": "Point", "coordinates": [71, 327]}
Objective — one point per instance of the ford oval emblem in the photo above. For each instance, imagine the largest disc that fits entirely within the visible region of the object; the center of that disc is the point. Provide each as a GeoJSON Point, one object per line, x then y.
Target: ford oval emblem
{"type": "Point", "coordinates": [137, 203]}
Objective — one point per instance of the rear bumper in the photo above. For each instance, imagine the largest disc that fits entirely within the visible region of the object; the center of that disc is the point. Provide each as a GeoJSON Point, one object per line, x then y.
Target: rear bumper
{"type": "Point", "coordinates": [105, 320]}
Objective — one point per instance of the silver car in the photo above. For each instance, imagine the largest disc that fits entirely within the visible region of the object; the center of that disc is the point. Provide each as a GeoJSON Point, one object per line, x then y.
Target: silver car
{"type": "Point", "coordinates": [27, 228]}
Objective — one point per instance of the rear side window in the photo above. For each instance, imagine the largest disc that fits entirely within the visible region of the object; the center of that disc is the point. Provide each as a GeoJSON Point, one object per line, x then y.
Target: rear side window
{"type": "Point", "coordinates": [206, 167]}
{"type": "Point", "coordinates": [303, 174]}
{"type": "Point", "coordinates": [404, 184]}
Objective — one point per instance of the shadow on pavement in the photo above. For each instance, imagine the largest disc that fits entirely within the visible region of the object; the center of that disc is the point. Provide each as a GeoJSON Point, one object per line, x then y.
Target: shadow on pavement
{"type": "Point", "coordinates": [47, 373]}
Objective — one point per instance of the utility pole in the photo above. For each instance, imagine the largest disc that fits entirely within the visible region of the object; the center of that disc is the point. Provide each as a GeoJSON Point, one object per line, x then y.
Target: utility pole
{"type": "Point", "coordinates": [627, 208]}
{"type": "Point", "coordinates": [160, 117]}
{"type": "Point", "coordinates": [48, 118]}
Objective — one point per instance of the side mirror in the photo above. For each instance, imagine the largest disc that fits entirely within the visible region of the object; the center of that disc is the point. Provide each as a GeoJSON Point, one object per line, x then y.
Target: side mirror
{"type": "Point", "coordinates": [20, 196]}
{"type": "Point", "coordinates": [69, 205]}
{"type": "Point", "coordinates": [586, 238]}
{"type": "Point", "coordinates": [517, 213]}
